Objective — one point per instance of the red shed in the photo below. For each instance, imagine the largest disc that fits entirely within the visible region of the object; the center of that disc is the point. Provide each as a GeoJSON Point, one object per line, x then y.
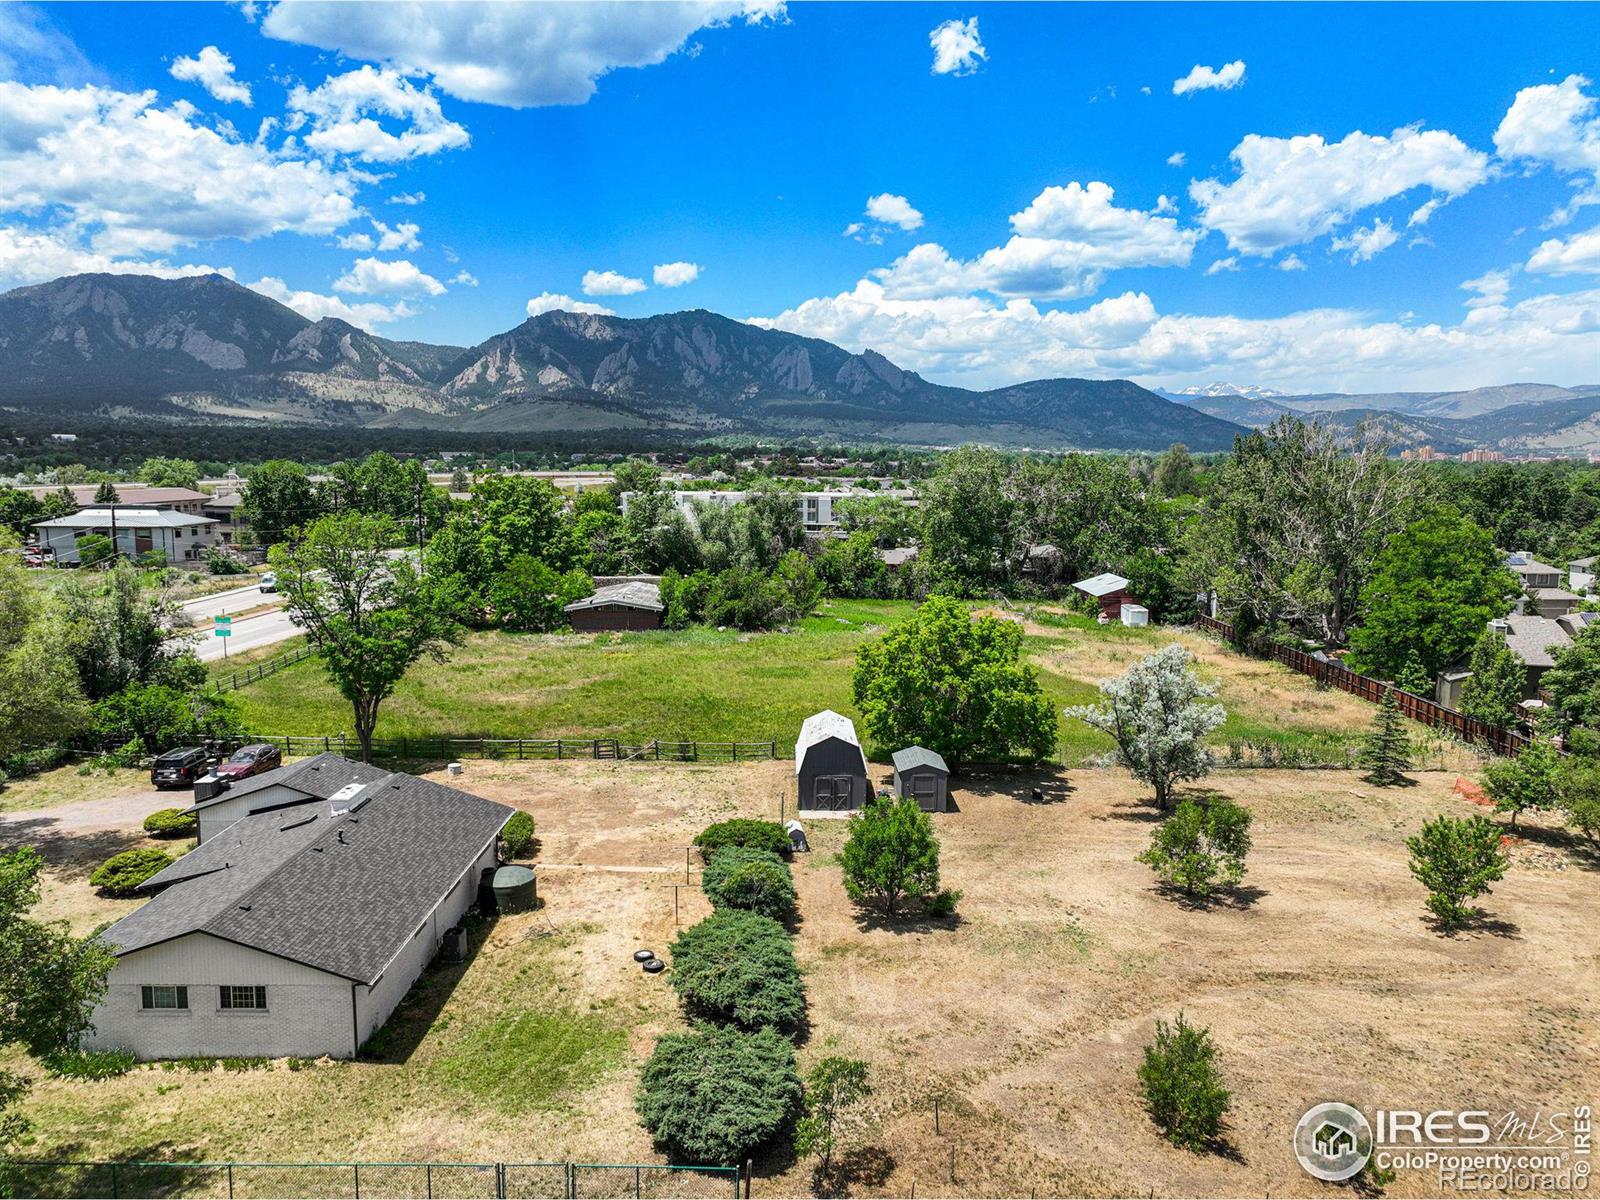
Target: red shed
{"type": "Point", "coordinates": [619, 606]}
{"type": "Point", "coordinates": [1111, 591]}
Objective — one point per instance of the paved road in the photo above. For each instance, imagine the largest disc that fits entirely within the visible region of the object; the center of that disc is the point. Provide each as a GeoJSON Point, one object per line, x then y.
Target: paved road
{"type": "Point", "coordinates": [203, 608]}
{"type": "Point", "coordinates": [249, 633]}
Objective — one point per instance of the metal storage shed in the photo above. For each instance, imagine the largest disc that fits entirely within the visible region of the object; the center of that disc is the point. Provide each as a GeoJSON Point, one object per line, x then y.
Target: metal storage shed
{"type": "Point", "coordinates": [922, 774]}
{"type": "Point", "coordinates": [632, 605]}
{"type": "Point", "coordinates": [830, 768]}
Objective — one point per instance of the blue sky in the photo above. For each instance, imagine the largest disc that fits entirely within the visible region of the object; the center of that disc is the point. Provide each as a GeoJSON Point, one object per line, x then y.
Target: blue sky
{"type": "Point", "coordinates": [1285, 195]}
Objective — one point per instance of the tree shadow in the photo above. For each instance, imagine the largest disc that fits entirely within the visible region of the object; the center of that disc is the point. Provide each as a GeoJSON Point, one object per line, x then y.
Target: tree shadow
{"type": "Point", "coordinates": [864, 1166]}
{"type": "Point", "coordinates": [75, 853]}
{"type": "Point", "coordinates": [413, 1018]}
{"type": "Point", "coordinates": [1405, 781]}
{"type": "Point", "coordinates": [1029, 785]}
{"type": "Point", "coordinates": [1139, 812]}
{"type": "Point", "coordinates": [72, 1170]}
{"type": "Point", "coordinates": [1479, 923]}
{"type": "Point", "coordinates": [1240, 897]}
{"type": "Point", "coordinates": [870, 919]}
{"type": "Point", "coordinates": [1584, 852]}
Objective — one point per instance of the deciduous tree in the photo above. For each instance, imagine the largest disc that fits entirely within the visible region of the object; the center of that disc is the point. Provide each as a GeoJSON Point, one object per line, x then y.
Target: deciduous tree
{"type": "Point", "coordinates": [1525, 781]}
{"type": "Point", "coordinates": [891, 854]}
{"type": "Point", "coordinates": [1497, 681]}
{"type": "Point", "coordinates": [1456, 859]}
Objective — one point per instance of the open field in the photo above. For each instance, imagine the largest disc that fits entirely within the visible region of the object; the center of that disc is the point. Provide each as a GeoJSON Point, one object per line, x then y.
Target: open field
{"type": "Point", "coordinates": [1025, 1014]}
{"type": "Point", "coordinates": [705, 685]}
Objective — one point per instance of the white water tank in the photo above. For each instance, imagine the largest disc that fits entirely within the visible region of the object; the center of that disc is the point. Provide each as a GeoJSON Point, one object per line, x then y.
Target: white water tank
{"type": "Point", "coordinates": [1135, 615]}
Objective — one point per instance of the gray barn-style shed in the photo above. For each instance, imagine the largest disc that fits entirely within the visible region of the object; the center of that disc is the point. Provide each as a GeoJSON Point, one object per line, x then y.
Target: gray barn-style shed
{"type": "Point", "coordinates": [830, 768]}
{"type": "Point", "coordinates": [922, 775]}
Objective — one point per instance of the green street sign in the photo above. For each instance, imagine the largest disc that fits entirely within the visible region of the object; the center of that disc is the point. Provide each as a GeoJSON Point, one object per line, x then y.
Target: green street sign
{"type": "Point", "coordinates": [224, 631]}
{"type": "Point", "coordinates": [223, 620]}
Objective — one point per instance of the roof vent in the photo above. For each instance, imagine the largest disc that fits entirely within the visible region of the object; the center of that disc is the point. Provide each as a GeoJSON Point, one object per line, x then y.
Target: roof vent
{"type": "Point", "coordinates": [343, 800]}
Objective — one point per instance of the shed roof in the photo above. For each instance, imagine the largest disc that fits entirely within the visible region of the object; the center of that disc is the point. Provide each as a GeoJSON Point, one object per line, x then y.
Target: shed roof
{"type": "Point", "coordinates": [1101, 585]}
{"type": "Point", "coordinates": [125, 518]}
{"type": "Point", "coordinates": [919, 756]}
{"type": "Point", "coordinates": [340, 892]}
{"type": "Point", "coordinates": [819, 727]}
{"type": "Point", "coordinates": [629, 595]}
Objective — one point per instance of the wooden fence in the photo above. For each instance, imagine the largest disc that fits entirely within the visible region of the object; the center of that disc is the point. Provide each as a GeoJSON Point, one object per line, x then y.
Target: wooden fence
{"type": "Point", "coordinates": [232, 681]}
{"type": "Point", "coordinates": [1419, 708]}
{"type": "Point", "coordinates": [414, 748]}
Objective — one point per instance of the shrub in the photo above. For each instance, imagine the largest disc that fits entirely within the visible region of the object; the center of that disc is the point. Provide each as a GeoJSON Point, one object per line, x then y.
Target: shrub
{"type": "Point", "coordinates": [943, 903]}
{"type": "Point", "coordinates": [122, 873]}
{"type": "Point", "coordinates": [738, 968]}
{"type": "Point", "coordinates": [742, 831]}
{"type": "Point", "coordinates": [891, 854]}
{"type": "Point", "coordinates": [716, 1095]}
{"type": "Point", "coordinates": [1456, 859]}
{"type": "Point", "coordinates": [754, 880]}
{"type": "Point", "coordinates": [1578, 793]}
{"type": "Point", "coordinates": [517, 834]}
{"type": "Point", "coordinates": [1183, 1088]}
{"type": "Point", "coordinates": [1201, 846]}
{"type": "Point", "coordinates": [170, 823]}
{"type": "Point", "coordinates": [90, 1064]}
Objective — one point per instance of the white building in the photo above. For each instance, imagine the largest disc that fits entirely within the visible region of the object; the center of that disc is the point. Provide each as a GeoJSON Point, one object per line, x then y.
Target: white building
{"type": "Point", "coordinates": [296, 932]}
{"type": "Point", "coordinates": [307, 781]}
{"type": "Point", "coordinates": [177, 536]}
{"type": "Point", "coordinates": [818, 510]}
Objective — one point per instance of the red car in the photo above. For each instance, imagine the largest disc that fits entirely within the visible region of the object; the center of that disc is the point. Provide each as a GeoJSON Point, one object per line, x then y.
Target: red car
{"type": "Point", "coordinates": [250, 760]}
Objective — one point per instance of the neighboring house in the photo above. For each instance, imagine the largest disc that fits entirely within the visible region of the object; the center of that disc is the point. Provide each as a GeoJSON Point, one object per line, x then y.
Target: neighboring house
{"type": "Point", "coordinates": [1535, 640]}
{"type": "Point", "coordinates": [1110, 592]}
{"type": "Point", "coordinates": [922, 774]}
{"type": "Point", "coordinates": [818, 510]}
{"type": "Point", "coordinates": [896, 557]}
{"type": "Point", "coordinates": [632, 605]}
{"type": "Point", "coordinates": [311, 779]}
{"type": "Point", "coordinates": [297, 932]}
{"type": "Point", "coordinates": [830, 768]}
{"type": "Point", "coordinates": [1532, 572]}
{"type": "Point", "coordinates": [177, 536]}
{"type": "Point", "coordinates": [1581, 574]}
{"type": "Point", "coordinates": [228, 512]}
{"type": "Point", "coordinates": [1552, 602]}
{"type": "Point", "coordinates": [1042, 561]}
{"type": "Point", "coordinates": [174, 499]}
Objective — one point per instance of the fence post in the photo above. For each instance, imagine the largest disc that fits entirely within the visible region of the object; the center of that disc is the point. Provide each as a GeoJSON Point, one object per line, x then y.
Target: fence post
{"type": "Point", "coordinates": [113, 1181]}
{"type": "Point", "coordinates": [358, 1181]}
{"type": "Point", "coordinates": [749, 1170]}
{"type": "Point", "coordinates": [427, 1171]}
{"type": "Point", "coordinates": [230, 1181]}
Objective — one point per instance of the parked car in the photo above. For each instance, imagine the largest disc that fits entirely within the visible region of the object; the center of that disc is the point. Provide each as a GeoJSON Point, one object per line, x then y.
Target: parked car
{"type": "Point", "coordinates": [179, 768]}
{"type": "Point", "coordinates": [250, 760]}
{"type": "Point", "coordinates": [269, 582]}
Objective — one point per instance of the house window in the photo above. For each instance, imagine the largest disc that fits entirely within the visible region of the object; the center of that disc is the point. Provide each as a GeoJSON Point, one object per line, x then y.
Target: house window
{"type": "Point", "coordinates": [236, 995]}
{"type": "Point", "coordinates": [163, 996]}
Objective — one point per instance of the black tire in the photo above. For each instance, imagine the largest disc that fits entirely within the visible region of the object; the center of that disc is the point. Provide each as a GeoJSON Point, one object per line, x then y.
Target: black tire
{"type": "Point", "coordinates": [642, 956]}
{"type": "Point", "coordinates": [654, 967]}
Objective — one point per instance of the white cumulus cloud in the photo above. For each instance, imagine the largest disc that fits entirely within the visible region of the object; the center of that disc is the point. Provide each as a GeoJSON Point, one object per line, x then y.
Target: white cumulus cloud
{"type": "Point", "coordinates": [610, 283]}
{"type": "Point", "coordinates": [1177, 158]}
{"type": "Point", "coordinates": [212, 70]}
{"type": "Point", "coordinates": [1203, 78]}
{"type": "Point", "coordinates": [342, 116]}
{"type": "Point", "coordinates": [560, 302]}
{"type": "Point", "coordinates": [315, 305]}
{"type": "Point", "coordinates": [1577, 255]}
{"type": "Point", "coordinates": [1366, 244]}
{"type": "Point", "coordinates": [464, 279]}
{"type": "Point", "coordinates": [393, 277]}
{"type": "Point", "coordinates": [516, 55]}
{"type": "Point", "coordinates": [675, 274]}
{"type": "Point", "coordinates": [957, 48]}
{"type": "Point", "coordinates": [1291, 262]}
{"type": "Point", "coordinates": [408, 199]}
{"type": "Point", "coordinates": [30, 256]}
{"type": "Point", "coordinates": [1290, 191]}
{"type": "Point", "coordinates": [888, 209]}
{"type": "Point", "coordinates": [1558, 124]}
{"type": "Point", "coordinates": [1231, 263]}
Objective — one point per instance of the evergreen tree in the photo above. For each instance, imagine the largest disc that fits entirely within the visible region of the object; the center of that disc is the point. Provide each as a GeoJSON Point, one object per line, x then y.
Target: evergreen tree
{"type": "Point", "coordinates": [106, 493]}
{"type": "Point", "coordinates": [1387, 751]}
{"type": "Point", "coordinates": [1498, 679]}
{"type": "Point", "coordinates": [1413, 677]}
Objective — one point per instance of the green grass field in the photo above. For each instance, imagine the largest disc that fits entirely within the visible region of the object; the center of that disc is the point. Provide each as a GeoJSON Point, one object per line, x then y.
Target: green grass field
{"type": "Point", "coordinates": [705, 685]}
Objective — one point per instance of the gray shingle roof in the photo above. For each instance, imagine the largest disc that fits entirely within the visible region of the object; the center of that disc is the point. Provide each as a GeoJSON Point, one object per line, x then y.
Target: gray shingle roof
{"type": "Point", "coordinates": [629, 595]}
{"type": "Point", "coordinates": [320, 776]}
{"type": "Point", "coordinates": [918, 756]}
{"type": "Point", "coordinates": [1531, 638]}
{"type": "Point", "coordinates": [342, 893]}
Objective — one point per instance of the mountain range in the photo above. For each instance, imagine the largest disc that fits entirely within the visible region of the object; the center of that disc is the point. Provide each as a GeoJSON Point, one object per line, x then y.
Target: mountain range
{"type": "Point", "coordinates": [207, 348]}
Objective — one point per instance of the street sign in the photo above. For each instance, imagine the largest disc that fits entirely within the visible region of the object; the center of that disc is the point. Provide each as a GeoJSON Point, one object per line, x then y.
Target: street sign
{"type": "Point", "coordinates": [224, 631]}
{"type": "Point", "coordinates": [223, 620]}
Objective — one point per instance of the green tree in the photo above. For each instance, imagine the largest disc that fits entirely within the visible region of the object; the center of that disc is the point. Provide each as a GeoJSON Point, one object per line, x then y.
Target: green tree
{"type": "Point", "coordinates": [1456, 859]}
{"type": "Point", "coordinates": [105, 492]}
{"type": "Point", "coordinates": [50, 983]}
{"type": "Point", "coordinates": [1175, 473]}
{"type": "Point", "coordinates": [517, 515]}
{"type": "Point", "coordinates": [973, 534]}
{"type": "Point", "coordinates": [1577, 788]}
{"type": "Point", "coordinates": [1433, 588]}
{"type": "Point", "coordinates": [1183, 1087]}
{"type": "Point", "coordinates": [369, 615]}
{"type": "Point", "coordinates": [279, 500]}
{"type": "Point", "coordinates": [1524, 782]}
{"type": "Point", "coordinates": [832, 1088]}
{"type": "Point", "coordinates": [19, 510]}
{"type": "Point", "coordinates": [95, 549]}
{"type": "Point", "coordinates": [41, 698]}
{"type": "Point", "coordinates": [955, 685]}
{"type": "Point", "coordinates": [1201, 847]}
{"type": "Point", "coordinates": [159, 716]}
{"type": "Point", "coordinates": [530, 597]}
{"type": "Point", "coordinates": [1386, 752]}
{"type": "Point", "coordinates": [170, 472]}
{"type": "Point", "coordinates": [120, 633]}
{"type": "Point", "coordinates": [1498, 679]}
{"type": "Point", "coordinates": [890, 855]}
{"type": "Point", "coordinates": [1155, 713]}
{"type": "Point", "coordinates": [1574, 681]}
{"type": "Point", "coordinates": [754, 880]}
{"type": "Point", "coordinates": [716, 1095]}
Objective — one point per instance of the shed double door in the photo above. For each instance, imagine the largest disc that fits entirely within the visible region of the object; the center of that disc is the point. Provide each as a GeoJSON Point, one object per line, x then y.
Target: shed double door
{"type": "Point", "coordinates": [833, 793]}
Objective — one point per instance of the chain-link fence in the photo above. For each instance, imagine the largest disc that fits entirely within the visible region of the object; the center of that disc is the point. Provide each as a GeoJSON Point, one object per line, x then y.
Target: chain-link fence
{"type": "Point", "coordinates": [368, 1181]}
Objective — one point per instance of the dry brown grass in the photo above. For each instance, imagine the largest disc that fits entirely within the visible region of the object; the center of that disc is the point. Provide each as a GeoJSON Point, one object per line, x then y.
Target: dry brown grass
{"type": "Point", "coordinates": [1026, 1015]}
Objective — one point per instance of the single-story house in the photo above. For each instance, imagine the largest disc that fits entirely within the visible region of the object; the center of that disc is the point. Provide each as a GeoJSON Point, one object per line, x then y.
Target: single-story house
{"type": "Point", "coordinates": [922, 774]}
{"type": "Point", "coordinates": [1110, 591]}
{"type": "Point", "coordinates": [1532, 639]}
{"type": "Point", "coordinates": [896, 557]}
{"type": "Point", "coordinates": [830, 768]}
{"type": "Point", "coordinates": [178, 536]}
{"type": "Point", "coordinates": [633, 605]}
{"type": "Point", "coordinates": [297, 932]}
{"type": "Point", "coordinates": [304, 782]}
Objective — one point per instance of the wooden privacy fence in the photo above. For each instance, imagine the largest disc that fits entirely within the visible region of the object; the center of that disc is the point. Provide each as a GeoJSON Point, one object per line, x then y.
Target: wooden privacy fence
{"type": "Point", "coordinates": [656, 750]}
{"type": "Point", "coordinates": [1419, 708]}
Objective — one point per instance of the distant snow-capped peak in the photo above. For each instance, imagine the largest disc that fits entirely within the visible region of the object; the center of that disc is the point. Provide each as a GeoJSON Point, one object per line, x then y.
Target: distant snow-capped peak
{"type": "Point", "coordinates": [1249, 391]}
